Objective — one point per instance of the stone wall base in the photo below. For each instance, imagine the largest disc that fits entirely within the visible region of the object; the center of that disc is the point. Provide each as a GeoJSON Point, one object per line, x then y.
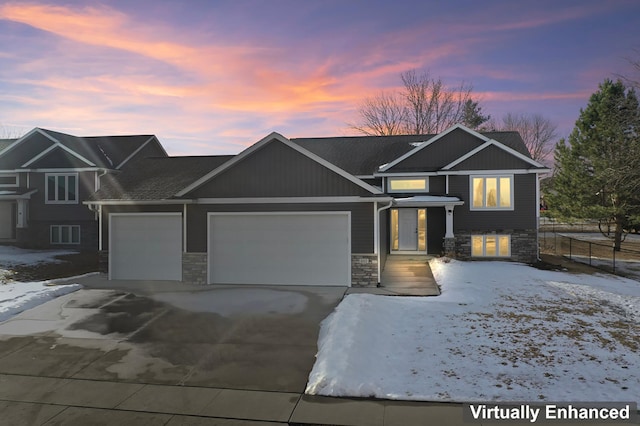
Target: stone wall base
{"type": "Point", "coordinates": [364, 270]}
{"type": "Point", "coordinates": [449, 247]}
{"type": "Point", "coordinates": [524, 244]}
{"type": "Point", "coordinates": [194, 268]}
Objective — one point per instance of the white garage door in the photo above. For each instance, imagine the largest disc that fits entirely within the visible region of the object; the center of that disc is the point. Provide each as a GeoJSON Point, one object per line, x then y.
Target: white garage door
{"type": "Point", "coordinates": [145, 246]}
{"type": "Point", "coordinates": [280, 248]}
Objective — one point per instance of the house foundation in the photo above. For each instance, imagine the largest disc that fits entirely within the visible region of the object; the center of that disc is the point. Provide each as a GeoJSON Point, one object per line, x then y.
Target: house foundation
{"type": "Point", "coordinates": [364, 270]}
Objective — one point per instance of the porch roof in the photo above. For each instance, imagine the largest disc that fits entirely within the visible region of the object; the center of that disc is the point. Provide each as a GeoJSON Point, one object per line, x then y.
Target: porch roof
{"type": "Point", "coordinates": [8, 194]}
{"type": "Point", "coordinates": [427, 201]}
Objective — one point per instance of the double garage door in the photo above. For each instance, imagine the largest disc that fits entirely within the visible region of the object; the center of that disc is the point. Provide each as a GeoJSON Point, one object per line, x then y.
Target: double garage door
{"type": "Point", "coordinates": [283, 248]}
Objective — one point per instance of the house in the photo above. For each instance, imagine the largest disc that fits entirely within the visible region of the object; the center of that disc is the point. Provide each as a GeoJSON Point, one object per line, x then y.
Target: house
{"type": "Point", "coordinates": [320, 211]}
{"type": "Point", "coordinates": [45, 176]}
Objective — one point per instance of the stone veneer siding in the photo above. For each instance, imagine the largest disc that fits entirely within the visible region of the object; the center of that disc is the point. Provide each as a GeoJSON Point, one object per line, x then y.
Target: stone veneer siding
{"type": "Point", "coordinates": [524, 245]}
{"type": "Point", "coordinates": [364, 270]}
{"type": "Point", "coordinates": [103, 261]}
{"type": "Point", "coordinates": [194, 268]}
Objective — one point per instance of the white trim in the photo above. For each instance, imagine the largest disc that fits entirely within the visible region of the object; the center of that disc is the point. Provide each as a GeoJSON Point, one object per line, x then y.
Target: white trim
{"type": "Point", "coordinates": [134, 202]}
{"type": "Point", "coordinates": [392, 179]}
{"type": "Point", "coordinates": [10, 185]}
{"type": "Point", "coordinates": [25, 196]}
{"type": "Point", "coordinates": [100, 244]}
{"type": "Point", "coordinates": [406, 174]}
{"type": "Point", "coordinates": [51, 148]}
{"type": "Point", "coordinates": [492, 142]}
{"type": "Point", "coordinates": [280, 213]}
{"type": "Point", "coordinates": [430, 141]}
{"type": "Point", "coordinates": [496, 171]}
{"type": "Point", "coordinates": [66, 176]}
{"type": "Point", "coordinates": [54, 170]}
{"type": "Point", "coordinates": [23, 138]}
{"type": "Point", "coordinates": [111, 215]}
{"type": "Point", "coordinates": [377, 237]}
{"type": "Point", "coordinates": [134, 153]}
{"type": "Point", "coordinates": [497, 177]}
{"type": "Point", "coordinates": [184, 228]}
{"type": "Point", "coordinates": [264, 141]}
{"type": "Point", "coordinates": [290, 200]}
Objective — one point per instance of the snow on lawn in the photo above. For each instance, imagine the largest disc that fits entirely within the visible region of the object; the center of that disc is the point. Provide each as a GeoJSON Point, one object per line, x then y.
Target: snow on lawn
{"type": "Point", "coordinates": [499, 331]}
{"type": "Point", "coordinates": [16, 297]}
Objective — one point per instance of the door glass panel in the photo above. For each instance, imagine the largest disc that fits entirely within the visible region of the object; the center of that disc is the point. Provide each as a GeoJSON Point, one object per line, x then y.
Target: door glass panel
{"type": "Point", "coordinates": [490, 246]}
{"type": "Point", "coordinates": [394, 229]}
{"type": "Point", "coordinates": [422, 230]}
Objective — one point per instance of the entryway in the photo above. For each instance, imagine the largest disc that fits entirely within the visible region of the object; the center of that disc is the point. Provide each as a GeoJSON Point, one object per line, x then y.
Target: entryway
{"type": "Point", "coordinates": [409, 230]}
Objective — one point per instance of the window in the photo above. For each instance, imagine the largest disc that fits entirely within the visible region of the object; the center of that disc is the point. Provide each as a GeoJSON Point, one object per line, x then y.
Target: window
{"type": "Point", "coordinates": [408, 184]}
{"type": "Point", "coordinates": [492, 193]}
{"type": "Point", "coordinates": [490, 246]}
{"type": "Point", "coordinates": [61, 188]}
{"type": "Point", "coordinates": [8, 180]}
{"type": "Point", "coordinates": [65, 234]}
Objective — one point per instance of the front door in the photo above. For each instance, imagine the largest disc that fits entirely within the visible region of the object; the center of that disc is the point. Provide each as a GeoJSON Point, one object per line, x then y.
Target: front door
{"type": "Point", "coordinates": [408, 230]}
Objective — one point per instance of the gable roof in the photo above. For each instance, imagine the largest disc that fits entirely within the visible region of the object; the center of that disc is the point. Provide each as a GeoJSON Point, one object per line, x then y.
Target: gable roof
{"type": "Point", "coordinates": [4, 143]}
{"type": "Point", "coordinates": [278, 138]}
{"type": "Point", "coordinates": [108, 152]}
{"type": "Point", "coordinates": [363, 155]}
{"type": "Point", "coordinates": [156, 178]}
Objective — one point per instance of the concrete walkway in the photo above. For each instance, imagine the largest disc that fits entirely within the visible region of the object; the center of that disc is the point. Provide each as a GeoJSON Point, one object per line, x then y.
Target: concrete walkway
{"type": "Point", "coordinates": [409, 275]}
{"type": "Point", "coordinates": [30, 400]}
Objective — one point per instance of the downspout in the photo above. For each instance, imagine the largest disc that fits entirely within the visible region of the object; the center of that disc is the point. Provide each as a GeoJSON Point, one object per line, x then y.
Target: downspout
{"type": "Point", "coordinates": [377, 234]}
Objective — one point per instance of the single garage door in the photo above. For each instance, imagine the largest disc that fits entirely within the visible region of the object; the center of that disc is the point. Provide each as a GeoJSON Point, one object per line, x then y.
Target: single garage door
{"type": "Point", "coordinates": [145, 246]}
{"type": "Point", "coordinates": [280, 248]}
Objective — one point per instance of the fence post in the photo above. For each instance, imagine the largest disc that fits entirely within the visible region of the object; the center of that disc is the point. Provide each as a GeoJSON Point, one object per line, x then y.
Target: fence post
{"type": "Point", "coordinates": [614, 259]}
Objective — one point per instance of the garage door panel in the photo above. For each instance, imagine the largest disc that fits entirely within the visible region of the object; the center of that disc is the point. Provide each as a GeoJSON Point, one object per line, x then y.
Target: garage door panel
{"type": "Point", "coordinates": [146, 247]}
{"type": "Point", "coordinates": [289, 249]}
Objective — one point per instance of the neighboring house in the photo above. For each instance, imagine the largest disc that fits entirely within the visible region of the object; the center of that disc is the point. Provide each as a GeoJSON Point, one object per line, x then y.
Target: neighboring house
{"type": "Point", "coordinates": [323, 211]}
{"type": "Point", "coordinates": [45, 176]}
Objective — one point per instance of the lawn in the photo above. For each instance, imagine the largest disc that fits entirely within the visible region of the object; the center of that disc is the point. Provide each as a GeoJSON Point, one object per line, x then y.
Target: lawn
{"type": "Point", "coordinates": [500, 331]}
{"type": "Point", "coordinates": [17, 295]}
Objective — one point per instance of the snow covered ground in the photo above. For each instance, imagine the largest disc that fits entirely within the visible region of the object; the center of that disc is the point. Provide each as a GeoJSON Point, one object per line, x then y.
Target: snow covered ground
{"type": "Point", "coordinates": [16, 297]}
{"type": "Point", "coordinates": [499, 331]}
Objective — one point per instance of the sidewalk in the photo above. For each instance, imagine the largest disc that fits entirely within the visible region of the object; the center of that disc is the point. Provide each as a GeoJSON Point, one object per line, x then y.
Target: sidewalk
{"type": "Point", "coordinates": [29, 400]}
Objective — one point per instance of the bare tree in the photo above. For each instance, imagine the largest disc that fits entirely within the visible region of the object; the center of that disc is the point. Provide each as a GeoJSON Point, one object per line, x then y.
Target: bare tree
{"type": "Point", "coordinates": [424, 105]}
{"type": "Point", "coordinates": [381, 115]}
{"type": "Point", "coordinates": [10, 133]}
{"type": "Point", "coordinates": [538, 133]}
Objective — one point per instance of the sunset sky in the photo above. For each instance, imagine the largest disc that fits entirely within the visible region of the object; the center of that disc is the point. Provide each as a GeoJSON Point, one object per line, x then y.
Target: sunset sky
{"type": "Point", "coordinates": [211, 77]}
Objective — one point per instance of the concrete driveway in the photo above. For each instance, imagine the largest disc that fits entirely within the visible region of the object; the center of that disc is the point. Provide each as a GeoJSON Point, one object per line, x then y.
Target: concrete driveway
{"type": "Point", "coordinates": [254, 338]}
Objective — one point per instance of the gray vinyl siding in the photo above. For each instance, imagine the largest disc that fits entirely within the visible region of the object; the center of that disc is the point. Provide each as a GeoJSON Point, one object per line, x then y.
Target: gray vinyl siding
{"type": "Point", "coordinates": [40, 210]}
{"type": "Point", "coordinates": [107, 209]}
{"type": "Point", "coordinates": [24, 152]}
{"type": "Point", "coordinates": [361, 221]}
{"type": "Point", "coordinates": [492, 158]}
{"type": "Point", "coordinates": [523, 216]}
{"type": "Point", "coordinates": [437, 184]}
{"type": "Point", "coordinates": [435, 229]}
{"type": "Point", "coordinates": [277, 170]}
{"type": "Point", "coordinates": [59, 159]}
{"type": "Point", "coordinates": [439, 153]}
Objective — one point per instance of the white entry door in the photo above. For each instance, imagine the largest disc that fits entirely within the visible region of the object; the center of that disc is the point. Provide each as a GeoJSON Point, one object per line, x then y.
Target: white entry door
{"type": "Point", "coordinates": [408, 230]}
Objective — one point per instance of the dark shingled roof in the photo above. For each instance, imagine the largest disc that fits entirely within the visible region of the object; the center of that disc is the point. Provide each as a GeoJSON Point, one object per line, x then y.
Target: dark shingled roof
{"type": "Point", "coordinates": [103, 151]}
{"type": "Point", "coordinates": [157, 178]}
{"type": "Point", "coordinates": [362, 155]}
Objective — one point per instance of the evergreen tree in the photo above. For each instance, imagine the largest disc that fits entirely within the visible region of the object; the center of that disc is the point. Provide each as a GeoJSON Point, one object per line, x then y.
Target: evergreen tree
{"type": "Point", "coordinates": [598, 171]}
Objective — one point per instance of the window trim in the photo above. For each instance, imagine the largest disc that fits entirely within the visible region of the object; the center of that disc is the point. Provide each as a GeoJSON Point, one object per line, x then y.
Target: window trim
{"type": "Point", "coordinates": [58, 229]}
{"type": "Point", "coordinates": [484, 207]}
{"type": "Point", "coordinates": [399, 178]}
{"type": "Point", "coordinates": [10, 185]}
{"type": "Point", "coordinates": [66, 178]}
{"type": "Point", "coordinates": [484, 246]}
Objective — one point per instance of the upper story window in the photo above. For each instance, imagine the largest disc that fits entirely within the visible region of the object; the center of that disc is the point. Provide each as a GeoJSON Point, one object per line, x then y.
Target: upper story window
{"type": "Point", "coordinates": [8, 180]}
{"type": "Point", "coordinates": [491, 192]}
{"type": "Point", "coordinates": [418, 184]}
{"type": "Point", "coordinates": [61, 188]}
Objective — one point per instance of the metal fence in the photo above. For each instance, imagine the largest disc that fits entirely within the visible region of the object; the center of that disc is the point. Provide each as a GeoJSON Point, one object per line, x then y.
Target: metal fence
{"type": "Point", "coordinates": [596, 253]}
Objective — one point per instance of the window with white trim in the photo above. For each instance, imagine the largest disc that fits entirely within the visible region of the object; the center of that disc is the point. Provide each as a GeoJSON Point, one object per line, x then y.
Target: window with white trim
{"type": "Point", "coordinates": [9, 180]}
{"type": "Point", "coordinates": [65, 234]}
{"type": "Point", "coordinates": [490, 245]}
{"type": "Point", "coordinates": [408, 184]}
{"type": "Point", "coordinates": [61, 188]}
{"type": "Point", "coordinates": [492, 192]}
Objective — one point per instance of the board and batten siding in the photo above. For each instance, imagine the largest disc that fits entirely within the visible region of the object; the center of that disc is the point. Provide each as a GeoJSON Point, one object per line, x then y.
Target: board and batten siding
{"type": "Point", "coordinates": [276, 170]}
{"type": "Point", "coordinates": [361, 220]}
{"type": "Point", "coordinates": [521, 217]}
